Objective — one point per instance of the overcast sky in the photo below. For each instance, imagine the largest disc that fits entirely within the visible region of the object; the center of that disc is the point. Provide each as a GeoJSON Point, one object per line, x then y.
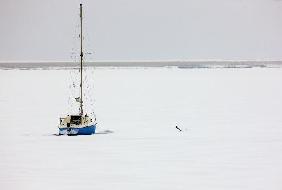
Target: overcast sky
{"type": "Point", "coordinates": [37, 30]}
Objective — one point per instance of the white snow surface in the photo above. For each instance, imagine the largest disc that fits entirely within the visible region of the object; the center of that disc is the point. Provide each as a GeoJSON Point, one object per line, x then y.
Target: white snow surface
{"type": "Point", "coordinates": [231, 121]}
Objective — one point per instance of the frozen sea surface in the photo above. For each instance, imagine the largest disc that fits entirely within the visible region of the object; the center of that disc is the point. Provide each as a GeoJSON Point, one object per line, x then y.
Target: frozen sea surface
{"type": "Point", "coordinates": [231, 121]}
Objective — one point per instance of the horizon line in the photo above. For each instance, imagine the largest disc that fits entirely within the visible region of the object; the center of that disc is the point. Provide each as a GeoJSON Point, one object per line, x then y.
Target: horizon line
{"type": "Point", "coordinates": [143, 61]}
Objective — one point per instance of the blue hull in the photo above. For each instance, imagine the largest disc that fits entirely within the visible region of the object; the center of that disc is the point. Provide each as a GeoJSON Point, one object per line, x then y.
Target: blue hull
{"type": "Point", "coordinates": [88, 130]}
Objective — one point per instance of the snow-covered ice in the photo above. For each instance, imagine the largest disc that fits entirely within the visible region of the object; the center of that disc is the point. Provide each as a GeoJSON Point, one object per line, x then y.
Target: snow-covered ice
{"type": "Point", "coordinates": [231, 121]}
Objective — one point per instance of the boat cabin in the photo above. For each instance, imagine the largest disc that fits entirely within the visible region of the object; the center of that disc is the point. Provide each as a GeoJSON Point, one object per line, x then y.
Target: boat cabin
{"type": "Point", "coordinates": [74, 120]}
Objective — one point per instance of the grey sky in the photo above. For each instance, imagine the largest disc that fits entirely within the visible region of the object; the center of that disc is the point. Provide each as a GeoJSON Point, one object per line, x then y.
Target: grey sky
{"type": "Point", "coordinates": [142, 29]}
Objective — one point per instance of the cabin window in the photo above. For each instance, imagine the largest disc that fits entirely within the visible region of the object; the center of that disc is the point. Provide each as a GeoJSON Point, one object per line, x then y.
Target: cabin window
{"type": "Point", "coordinates": [75, 119]}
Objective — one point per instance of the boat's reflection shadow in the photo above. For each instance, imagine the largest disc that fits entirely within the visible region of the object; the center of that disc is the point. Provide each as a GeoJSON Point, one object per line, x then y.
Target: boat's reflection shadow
{"type": "Point", "coordinates": [104, 132]}
{"type": "Point", "coordinates": [97, 133]}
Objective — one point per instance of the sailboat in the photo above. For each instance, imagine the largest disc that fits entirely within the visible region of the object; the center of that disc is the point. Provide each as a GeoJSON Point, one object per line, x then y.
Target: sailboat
{"type": "Point", "coordinates": [79, 124]}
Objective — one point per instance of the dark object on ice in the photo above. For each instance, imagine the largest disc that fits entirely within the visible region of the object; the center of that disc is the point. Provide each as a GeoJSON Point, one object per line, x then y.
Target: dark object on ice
{"type": "Point", "coordinates": [178, 128]}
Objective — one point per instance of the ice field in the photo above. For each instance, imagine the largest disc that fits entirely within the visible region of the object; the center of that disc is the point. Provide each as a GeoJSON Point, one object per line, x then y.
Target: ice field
{"type": "Point", "coordinates": [231, 120]}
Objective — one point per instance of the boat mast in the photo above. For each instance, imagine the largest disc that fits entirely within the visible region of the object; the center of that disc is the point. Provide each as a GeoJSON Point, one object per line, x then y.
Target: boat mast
{"type": "Point", "coordinates": [81, 59]}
